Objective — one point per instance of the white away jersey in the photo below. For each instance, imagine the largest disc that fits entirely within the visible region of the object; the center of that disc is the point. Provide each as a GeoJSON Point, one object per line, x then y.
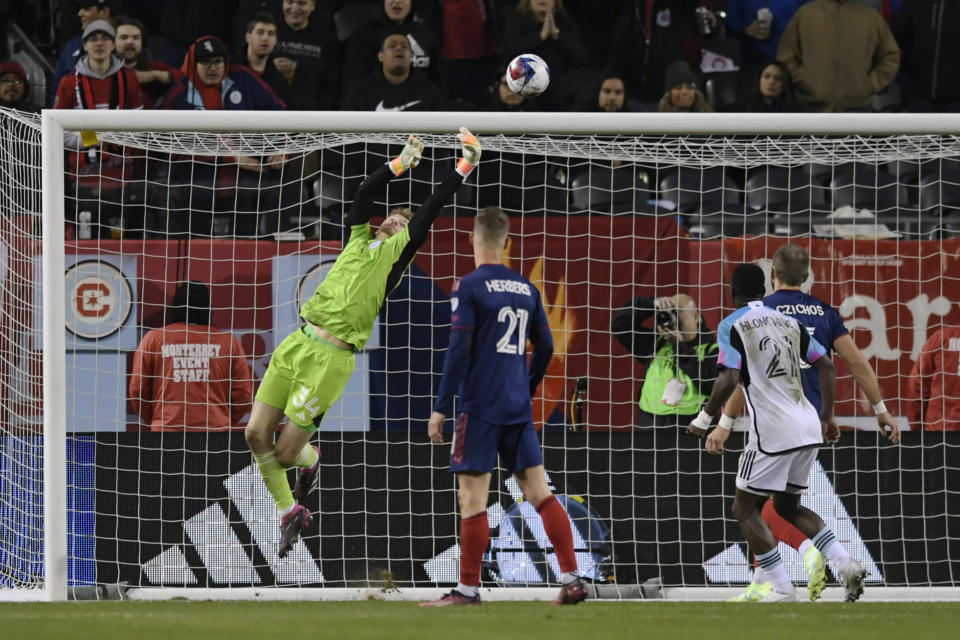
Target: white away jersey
{"type": "Point", "coordinates": [767, 347]}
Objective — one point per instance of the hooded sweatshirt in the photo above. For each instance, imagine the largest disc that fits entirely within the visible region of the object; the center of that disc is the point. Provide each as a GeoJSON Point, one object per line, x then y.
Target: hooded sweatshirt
{"type": "Point", "coordinates": [240, 89]}
{"type": "Point", "coordinates": [84, 88]}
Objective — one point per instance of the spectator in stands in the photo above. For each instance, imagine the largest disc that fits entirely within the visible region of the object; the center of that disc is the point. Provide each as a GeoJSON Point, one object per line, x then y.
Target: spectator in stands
{"type": "Point", "coordinates": [612, 95]}
{"type": "Point", "coordinates": [88, 11]}
{"type": "Point", "coordinates": [840, 53]}
{"type": "Point", "coordinates": [362, 47]}
{"type": "Point", "coordinates": [501, 98]}
{"type": "Point", "coordinates": [933, 388]}
{"type": "Point", "coordinates": [544, 28]}
{"type": "Point", "coordinates": [651, 34]}
{"type": "Point", "coordinates": [154, 77]}
{"type": "Point", "coordinates": [211, 82]}
{"type": "Point", "coordinates": [395, 85]}
{"type": "Point", "coordinates": [308, 56]}
{"type": "Point", "coordinates": [100, 81]}
{"type": "Point", "coordinates": [187, 374]}
{"type": "Point", "coordinates": [682, 93]}
{"type": "Point", "coordinates": [258, 53]}
{"type": "Point", "coordinates": [772, 90]}
{"type": "Point", "coordinates": [14, 88]}
{"type": "Point", "coordinates": [469, 48]}
{"type": "Point", "coordinates": [928, 32]}
{"type": "Point", "coordinates": [759, 31]}
{"type": "Point", "coordinates": [680, 354]}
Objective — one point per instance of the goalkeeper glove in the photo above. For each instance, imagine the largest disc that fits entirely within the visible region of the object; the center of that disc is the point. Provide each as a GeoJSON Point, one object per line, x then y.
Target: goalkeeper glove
{"type": "Point", "coordinates": [409, 157]}
{"type": "Point", "coordinates": [471, 152]}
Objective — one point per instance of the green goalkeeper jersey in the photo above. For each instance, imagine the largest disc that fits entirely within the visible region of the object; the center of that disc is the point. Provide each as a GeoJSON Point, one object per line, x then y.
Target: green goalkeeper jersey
{"type": "Point", "coordinates": [348, 300]}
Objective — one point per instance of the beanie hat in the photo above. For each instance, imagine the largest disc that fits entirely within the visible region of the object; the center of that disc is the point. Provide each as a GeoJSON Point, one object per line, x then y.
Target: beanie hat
{"type": "Point", "coordinates": [677, 73]}
{"type": "Point", "coordinates": [16, 69]}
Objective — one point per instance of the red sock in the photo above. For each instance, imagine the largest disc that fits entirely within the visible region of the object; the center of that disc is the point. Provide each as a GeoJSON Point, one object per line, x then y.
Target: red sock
{"type": "Point", "coordinates": [781, 529]}
{"type": "Point", "coordinates": [557, 526]}
{"type": "Point", "coordinates": [474, 536]}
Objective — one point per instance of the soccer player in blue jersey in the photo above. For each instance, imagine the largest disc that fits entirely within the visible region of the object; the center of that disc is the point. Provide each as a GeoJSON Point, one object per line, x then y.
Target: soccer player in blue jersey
{"type": "Point", "coordinates": [494, 311]}
{"type": "Point", "coordinates": [761, 350]}
{"type": "Point", "coordinates": [791, 267]}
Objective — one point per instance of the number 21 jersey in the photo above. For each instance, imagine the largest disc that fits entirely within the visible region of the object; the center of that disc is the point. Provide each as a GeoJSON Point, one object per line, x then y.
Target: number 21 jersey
{"type": "Point", "coordinates": [501, 309]}
{"type": "Point", "coordinates": [767, 347]}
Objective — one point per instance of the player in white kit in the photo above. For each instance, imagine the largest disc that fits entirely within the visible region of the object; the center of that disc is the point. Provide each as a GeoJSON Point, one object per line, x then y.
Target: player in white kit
{"type": "Point", "coordinates": [761, 349]}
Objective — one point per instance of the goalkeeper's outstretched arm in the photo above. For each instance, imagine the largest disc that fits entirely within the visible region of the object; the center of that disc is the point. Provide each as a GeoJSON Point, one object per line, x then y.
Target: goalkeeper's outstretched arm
{"type": "Point", "coordinates": [425, 216]}
{"type": "Point", "coordinates": [362, 208]}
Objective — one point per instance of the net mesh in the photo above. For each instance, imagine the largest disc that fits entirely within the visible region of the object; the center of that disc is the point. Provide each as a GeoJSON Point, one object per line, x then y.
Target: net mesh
{"type": "Point", "coordinates": [595, 222]}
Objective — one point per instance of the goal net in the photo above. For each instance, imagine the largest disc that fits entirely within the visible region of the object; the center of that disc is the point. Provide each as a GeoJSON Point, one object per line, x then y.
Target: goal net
{"type": "Point", "coordinates": [100, 231]}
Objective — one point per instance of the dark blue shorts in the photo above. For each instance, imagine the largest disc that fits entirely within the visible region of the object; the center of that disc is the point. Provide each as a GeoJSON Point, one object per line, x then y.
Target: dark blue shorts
{"type": "Point", "coordinates": [477, 442]}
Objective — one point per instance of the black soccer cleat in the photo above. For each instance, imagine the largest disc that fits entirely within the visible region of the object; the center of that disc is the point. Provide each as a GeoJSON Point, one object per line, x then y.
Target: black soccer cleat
{"type": "Point", "coordinates": [291, 526]}
{"type": "Point", "coordinates": [573, 592]}
{"type": "Point", "coordinates": [308, 480]}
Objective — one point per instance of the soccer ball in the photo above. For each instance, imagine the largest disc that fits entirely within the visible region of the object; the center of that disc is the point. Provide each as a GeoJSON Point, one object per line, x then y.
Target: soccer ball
{"type": "Point", "coordinates": [528, 75]}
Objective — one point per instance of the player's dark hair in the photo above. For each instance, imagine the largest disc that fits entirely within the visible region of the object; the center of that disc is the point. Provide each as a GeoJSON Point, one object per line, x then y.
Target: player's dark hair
{"type": "Point", "coordinates": [190, 304]}
{"type": "Point", "coordinates": [491, 226]}
{"type": "Point", "coordinates": [792, 263]}
{"type": "Point", "coordinates": [748, 283]}
{"type": "Point", "coordinates": [262, 17]}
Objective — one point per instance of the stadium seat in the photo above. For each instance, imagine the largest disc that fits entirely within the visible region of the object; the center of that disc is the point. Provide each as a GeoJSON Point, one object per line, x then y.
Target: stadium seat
{"type": "Point", "coordinates": [861, 186]}
{"type": "Point", "coordinates": [596, 188]}
{"type": "Point", "coordinates": [722, 91]}
{"type": "Point", "coordinates": [691, 188]}
{"type": "Point", "coordinates": [788, 197]}
{"type": "Point", "coordinates": [710, 202]}
{"type": "Point", "coordinates": [353, 16]}
{"type": "Point", "coordinates": [520, 183]}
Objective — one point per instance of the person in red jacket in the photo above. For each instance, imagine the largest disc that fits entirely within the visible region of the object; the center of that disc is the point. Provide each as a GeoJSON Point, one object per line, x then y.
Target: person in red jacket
{"type": "Point", "coordinates": [99, 172]}
{"type": "Point", "coordinates": [933, 388]}
{"type": "Point", "coordinates": [188, 374]}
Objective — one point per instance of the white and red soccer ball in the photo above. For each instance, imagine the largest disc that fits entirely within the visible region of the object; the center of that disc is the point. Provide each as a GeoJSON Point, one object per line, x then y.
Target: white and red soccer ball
{"type": "Point", "coordinates": [528, 75]}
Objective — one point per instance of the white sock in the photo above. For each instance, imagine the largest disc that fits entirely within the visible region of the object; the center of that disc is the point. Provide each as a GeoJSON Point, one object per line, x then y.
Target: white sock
{"type": "Point", "coordinates": [837, 555]}
{"type": "Point", "coordinates": [781, 581]}
{"type": "Point", "coordinates": [284, 512]}
{"type": "Point", "coordinates": [467, 591]}
{"type": "Point", "coordinates": [760, 576]}
{"type": "Point", "coordinates": [805, 546]}
{"type": "Point", "coordinates": [773, 567]}
{"type": "Point", "coordinates": [568, 577]}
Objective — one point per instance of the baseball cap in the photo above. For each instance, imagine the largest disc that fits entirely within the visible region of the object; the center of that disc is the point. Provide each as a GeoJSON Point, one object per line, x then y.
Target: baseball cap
{"type": "Point", "coordinates": [99, 26]}
{"type": "Point", "coordinates": [209, 47]}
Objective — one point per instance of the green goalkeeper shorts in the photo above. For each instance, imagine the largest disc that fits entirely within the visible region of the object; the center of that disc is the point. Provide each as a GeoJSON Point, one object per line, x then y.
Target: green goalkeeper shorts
{"type": "Point", "coordinates": [305, 377]}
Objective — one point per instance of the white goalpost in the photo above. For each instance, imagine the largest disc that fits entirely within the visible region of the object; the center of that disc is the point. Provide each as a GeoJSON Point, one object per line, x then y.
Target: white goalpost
{"type": "Point", "coordinates": [603, 208]}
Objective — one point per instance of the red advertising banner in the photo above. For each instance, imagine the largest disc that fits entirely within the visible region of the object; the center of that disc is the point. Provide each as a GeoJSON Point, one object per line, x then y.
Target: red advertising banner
{"type": "Point", "coordinates": [892, 294]}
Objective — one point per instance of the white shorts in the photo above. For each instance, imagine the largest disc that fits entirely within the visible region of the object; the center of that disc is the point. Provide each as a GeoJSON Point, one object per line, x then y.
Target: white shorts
{"type": "Point", "coordinates": [762, 474]}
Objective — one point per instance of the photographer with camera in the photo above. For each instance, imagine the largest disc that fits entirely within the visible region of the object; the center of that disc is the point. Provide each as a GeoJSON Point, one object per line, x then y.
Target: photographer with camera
{"type": "Point", "coordinates": [680, 354]}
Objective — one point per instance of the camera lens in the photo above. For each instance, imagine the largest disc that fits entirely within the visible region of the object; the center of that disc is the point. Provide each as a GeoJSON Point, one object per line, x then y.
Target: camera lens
{"type": "Point", "coordinates": [667, 318]}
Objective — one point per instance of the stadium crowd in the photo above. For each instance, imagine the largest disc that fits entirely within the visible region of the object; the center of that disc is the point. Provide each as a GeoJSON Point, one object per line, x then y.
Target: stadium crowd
{"type": "Point", "coordinates": [668, 55]}
{"type": "Point", "coordinates": [410, 55]}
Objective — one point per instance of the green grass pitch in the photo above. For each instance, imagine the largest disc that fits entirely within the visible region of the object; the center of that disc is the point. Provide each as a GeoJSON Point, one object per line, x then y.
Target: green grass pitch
{"type": "Point", "coordinates": [491, 621]}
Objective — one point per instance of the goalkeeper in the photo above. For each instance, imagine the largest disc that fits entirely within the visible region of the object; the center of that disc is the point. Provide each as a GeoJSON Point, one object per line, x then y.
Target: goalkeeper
{"type": "Point", "coordinates": [310, 368]}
